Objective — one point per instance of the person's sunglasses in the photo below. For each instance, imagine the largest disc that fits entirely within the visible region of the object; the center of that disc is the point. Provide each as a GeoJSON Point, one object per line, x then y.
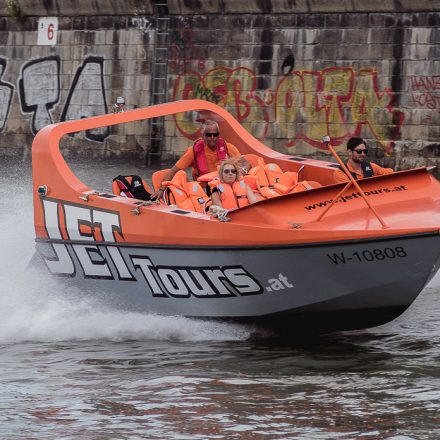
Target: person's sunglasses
{"type": "Point", "coordinates": [361, 151]}
{"type": "Point", "coordinates": [211, 134]}
{"type": "Point", "coordinates": [229, 171]}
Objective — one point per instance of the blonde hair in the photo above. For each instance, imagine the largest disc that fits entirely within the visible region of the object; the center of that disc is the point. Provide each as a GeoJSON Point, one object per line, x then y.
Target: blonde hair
{"type": "Point", "coordinates": [242, 162]}
{"type": "Point", "coordinates": [230, 162]}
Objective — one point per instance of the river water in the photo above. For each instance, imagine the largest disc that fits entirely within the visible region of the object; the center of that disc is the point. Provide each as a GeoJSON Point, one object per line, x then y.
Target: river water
{"type": "Point", "coordinates": [71, 369]}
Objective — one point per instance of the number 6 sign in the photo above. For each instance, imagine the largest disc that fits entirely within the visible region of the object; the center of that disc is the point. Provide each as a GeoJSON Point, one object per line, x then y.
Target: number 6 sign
{"type": "Point", "coordinates": [47, 31]}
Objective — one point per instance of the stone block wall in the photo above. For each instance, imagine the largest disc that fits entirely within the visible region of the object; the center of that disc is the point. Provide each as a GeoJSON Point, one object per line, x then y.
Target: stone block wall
{"type": "Point", "coordinates": [289, 71]}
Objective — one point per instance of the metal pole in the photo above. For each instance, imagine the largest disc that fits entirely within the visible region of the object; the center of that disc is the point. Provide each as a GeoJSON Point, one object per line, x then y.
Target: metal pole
{"type": "Point", "coordinates": [334, 201]}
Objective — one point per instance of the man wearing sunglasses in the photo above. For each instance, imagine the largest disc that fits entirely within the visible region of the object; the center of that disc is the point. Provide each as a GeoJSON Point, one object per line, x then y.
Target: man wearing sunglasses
{"type": "Point", "coordinates": [357, 163]}
{"type": "Point", "coordinates": [204, 156]}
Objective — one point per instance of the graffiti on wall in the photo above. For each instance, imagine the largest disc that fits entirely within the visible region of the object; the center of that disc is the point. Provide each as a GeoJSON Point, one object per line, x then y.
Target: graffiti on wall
{"type": "Point", "coordinates": [234, 89]}
{"type": "Point", "coordinates": [183, 52]}
{"type": "Point", "coordinates": [142, 23]}
{"type": "Point", "coordinates": [6, 93]}
{"type": "Point", "coordinates": [339, 101]}
{"type": "Point", "coordinates": [87, 96]}
{"type": "Point", "coordinates": [39, 89]}
{"type": "Point", "coordinates": [425, 92]}
{"type": "Point", "coordinates": [39, 93]}
{"type": "Point", "coordinates": [305, 105]}
{"type": "Point", "coordinates": [301, 107]}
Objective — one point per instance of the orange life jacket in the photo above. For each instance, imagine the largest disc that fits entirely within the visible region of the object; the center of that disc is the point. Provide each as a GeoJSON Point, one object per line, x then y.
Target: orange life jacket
{"type": "Point", "coordinates": [200, 166]}
{"type": "Point", "coordinates": [272, 181]}
{"type": "Point", "coordinates": [186, 195]}
{"type": "Point", "coordinates": [206, 178]}
{"type": "Point", "coordinates": [262, 182]}
{"type": "Point", "coordinates": [259, 172]}
{"type": "Point", "coordinates": [251, 181]}
{"type": "Point", "coordinates": [232, 196]}
{"type": "Point", "coordinates": [305, 185]}
{"type": "Point", "coordinates": [273, 173]}
{"type": "Point", "coordinates": [286, 182]}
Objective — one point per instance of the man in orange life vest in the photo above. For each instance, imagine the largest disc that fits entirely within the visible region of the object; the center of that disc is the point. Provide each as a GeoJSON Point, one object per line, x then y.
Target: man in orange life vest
{"type": "Point", "coordinates": [357, 164]}
{"type": "Point", "coordinates": [203, 156]}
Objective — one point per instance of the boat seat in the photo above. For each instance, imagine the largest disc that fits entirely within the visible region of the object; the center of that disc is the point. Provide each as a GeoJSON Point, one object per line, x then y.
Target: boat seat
{"type": "Point", "coordinates": [286, 182]}
{"type": "Point", "coordinates": [205, 178]}
{"type": "Point", "coordinates": [259, 172]}
{"type": "Point", "coordinates": [272, 180]}
{"type": "Point", "coordinates": [157, 178]}
{"type": "Point", "coordinates": [186, 194]}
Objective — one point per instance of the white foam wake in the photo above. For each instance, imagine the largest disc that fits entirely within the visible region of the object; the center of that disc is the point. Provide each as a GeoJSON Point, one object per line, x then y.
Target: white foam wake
{"type": "Point", "coordinates": [36, 307]}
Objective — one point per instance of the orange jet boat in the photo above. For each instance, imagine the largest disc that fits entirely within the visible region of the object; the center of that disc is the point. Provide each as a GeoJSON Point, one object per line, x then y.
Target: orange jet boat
{"type": "Point", "coordinates": [334, 257]}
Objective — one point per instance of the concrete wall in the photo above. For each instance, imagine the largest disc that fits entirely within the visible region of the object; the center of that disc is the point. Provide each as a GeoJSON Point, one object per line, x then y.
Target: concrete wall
{"type": "Point", "coordinates": [290, 71]}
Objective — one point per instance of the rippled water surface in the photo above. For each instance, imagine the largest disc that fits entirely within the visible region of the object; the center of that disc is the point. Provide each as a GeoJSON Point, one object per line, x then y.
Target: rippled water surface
{"type": "Point", "coordinates": [72, 369]}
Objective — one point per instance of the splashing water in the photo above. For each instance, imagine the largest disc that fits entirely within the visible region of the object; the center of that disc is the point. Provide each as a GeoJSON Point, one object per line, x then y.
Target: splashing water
{"type": "Point", "coordinates": [37, 307]}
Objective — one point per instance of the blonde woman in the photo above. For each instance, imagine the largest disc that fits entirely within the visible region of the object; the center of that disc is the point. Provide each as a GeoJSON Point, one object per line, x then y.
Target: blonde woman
{"type": "Point", "coordinates": [229, 191]}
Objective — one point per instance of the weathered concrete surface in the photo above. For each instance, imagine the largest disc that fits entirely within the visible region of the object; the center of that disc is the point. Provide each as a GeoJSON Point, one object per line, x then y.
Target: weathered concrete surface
{"type": "Point", "coordinates": [74, 8]}
{"type": "Point", "coordinates": [290, 71]}
{"type": "Point", "coordinates": [183, 7]}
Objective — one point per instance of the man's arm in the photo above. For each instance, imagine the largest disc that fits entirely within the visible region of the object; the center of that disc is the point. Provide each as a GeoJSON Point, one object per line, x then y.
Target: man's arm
{"type": "Point", "coordinates": [379, 171]}
{"type": "Point", "coordinates": [232, 150]}
{"type": "Point", "coordinates": [186, 160]}
{"type": "Point", "coordinates": [182, 164]}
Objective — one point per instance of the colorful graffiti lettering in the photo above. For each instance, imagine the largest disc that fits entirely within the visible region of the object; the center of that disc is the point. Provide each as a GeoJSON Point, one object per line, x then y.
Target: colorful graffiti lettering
{"type": "Point", "coordinates": [425, 83]}
{"type": "Point", "coordinates": [201, 92]}
{"type": "Point", "coordinates": [306, 105]}
{"type": "Point", "coordinates": [302, 107]}
{"type": "Point", "coordinates": [426, 92]}
{"type": "Point", "coordinates": [234, 89]}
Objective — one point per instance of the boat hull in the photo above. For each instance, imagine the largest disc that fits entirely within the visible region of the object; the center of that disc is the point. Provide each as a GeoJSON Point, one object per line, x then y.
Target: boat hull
{"type": "Point", "coordinates": [335, 256]}
{"type": "Point", "coordinates": [323, 286]}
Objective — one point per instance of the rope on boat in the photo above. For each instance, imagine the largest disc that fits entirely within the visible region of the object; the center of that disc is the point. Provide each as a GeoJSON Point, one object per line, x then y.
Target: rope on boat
{"type": "Point", "coordinates": [137, 211]}
{"type": "Point", "coordinates": [220, 213]}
